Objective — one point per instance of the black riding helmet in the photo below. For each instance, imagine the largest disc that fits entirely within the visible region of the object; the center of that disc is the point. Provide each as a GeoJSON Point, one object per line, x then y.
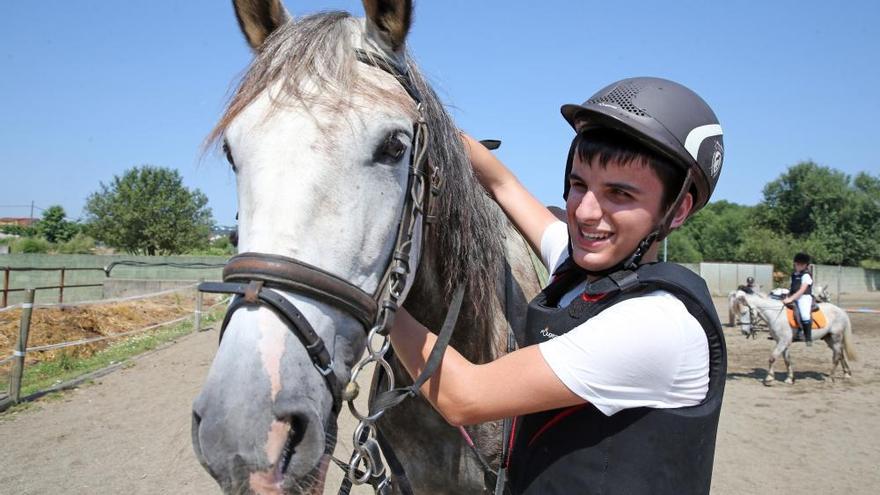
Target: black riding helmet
{"type": "Point", "coordinates": [802, 258]}
{"type": "Point", "coordinates": [668, 119]}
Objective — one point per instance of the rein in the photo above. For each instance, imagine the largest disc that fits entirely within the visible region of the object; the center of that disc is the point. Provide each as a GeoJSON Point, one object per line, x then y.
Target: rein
{"type": "Point", "coordinates": [253, 279]}
{"type": "Point", "coordinates": [754, 314]}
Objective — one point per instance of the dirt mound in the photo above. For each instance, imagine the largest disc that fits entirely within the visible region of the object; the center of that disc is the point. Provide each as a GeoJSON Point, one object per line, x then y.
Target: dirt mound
{"type": "Point", "coordinates": [57, 324]}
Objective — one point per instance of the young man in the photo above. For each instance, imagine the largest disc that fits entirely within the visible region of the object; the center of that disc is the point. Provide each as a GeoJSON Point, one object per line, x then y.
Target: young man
{"type": "Point", "coordinates": [618, 386]}
{"type": "Point", "coordinates": [801, 293]}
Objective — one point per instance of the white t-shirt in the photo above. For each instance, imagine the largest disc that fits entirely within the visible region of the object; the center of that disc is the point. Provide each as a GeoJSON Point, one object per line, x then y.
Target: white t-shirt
{"type": "Point", "coordinates": [647, 351]}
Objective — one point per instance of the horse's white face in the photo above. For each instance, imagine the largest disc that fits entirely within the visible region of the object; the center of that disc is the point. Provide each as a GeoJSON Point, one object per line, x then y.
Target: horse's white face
{"type": "Point", "coordinates": [315, 183]}
{"type": "Point", "coordinates": [322, 182]}
{"type": "Point", "coordinates": [741, 307]}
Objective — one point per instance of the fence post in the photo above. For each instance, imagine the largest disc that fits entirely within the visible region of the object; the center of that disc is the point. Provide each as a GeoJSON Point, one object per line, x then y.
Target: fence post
{"type": "Point", "coordinates": [198, 315]}
{"type": "Point", "coordinates": [21, 346]}
{"type": "Point", "coordinates": [61, 287]}
{"type": "Point", "coordinates": [5, 286]}
{"type": "Point", "coordinates": [839, 276]}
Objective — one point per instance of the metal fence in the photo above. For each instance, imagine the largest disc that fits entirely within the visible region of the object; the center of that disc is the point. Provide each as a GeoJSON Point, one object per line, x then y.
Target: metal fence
{"type": "Point", "coordinates": [62, 272]}
{"type": "Point", "coordinates": [84, 276]}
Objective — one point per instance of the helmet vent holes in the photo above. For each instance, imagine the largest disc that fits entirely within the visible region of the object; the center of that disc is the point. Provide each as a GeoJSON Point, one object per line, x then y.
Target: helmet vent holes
{"type": "Point", "coordinates": [622, 96]}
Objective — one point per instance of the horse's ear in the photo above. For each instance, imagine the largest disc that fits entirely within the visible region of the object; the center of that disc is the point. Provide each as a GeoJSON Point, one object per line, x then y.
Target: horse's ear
{"type": "Point", "coordinates": [389, 21]}
{"type": "Point", "coordinates": [259, 18]}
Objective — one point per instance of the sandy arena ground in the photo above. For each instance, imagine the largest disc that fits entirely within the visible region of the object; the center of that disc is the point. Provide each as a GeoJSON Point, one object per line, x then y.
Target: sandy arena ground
{"type": "Point", "coordinates": [129, 432]}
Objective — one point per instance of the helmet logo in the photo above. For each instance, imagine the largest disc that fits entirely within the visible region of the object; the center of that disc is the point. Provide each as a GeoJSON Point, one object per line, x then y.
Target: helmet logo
{"type": "Point", "coordinates": [717, 158]}
{"type": "Point", "coordinates": [695, 139]}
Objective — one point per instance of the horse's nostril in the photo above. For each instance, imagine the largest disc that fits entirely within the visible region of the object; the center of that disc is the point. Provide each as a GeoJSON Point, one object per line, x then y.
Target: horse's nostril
{"type": "Point", "coordinates": [197, 445]}
{"type": "Point", "coordinates": [294, 438]}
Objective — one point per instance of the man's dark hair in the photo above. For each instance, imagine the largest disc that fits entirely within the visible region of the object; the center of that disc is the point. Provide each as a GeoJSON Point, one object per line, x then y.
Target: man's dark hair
{"type": "Point", "coordinates": [605, 145]}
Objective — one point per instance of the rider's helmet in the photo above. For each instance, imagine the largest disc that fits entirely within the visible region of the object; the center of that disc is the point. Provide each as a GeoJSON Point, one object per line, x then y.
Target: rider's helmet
{"type": "Point", "coordinates": [802, 258]}
{"type": "Point", "coordinates": [750, 280]}
{"type": "Point", "coordinates": [668, 119]}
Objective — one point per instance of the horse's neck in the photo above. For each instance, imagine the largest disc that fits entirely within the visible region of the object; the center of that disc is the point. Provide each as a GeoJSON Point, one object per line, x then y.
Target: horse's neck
{"type": "Point", "coordinates": [768, 308]}
{"type": "Point", "coordinates": [426, 302]}
{"type": "Point", "coordinates": [478, 338]}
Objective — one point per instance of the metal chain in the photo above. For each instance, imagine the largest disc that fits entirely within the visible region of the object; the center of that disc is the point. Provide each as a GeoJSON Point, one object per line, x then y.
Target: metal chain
{"type": "Point", "coordinates": [366, 462]}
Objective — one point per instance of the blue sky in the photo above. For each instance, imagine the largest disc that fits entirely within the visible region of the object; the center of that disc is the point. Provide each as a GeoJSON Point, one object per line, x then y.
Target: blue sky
{"type": "Point", "coordinates": [90, 88]}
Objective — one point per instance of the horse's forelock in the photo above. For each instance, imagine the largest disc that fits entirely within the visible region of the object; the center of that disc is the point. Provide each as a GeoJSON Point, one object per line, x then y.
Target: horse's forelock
{"type": "Point", "coordinates": [315, 48]}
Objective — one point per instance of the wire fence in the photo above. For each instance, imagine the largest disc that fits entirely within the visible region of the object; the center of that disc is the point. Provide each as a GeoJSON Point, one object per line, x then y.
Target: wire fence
{"type": "Point", "coordinates": [52, 285]}
{"type": "Point", "coordinates": [27, 308]}
{"type": "Point", "coordinates": [7, 271]}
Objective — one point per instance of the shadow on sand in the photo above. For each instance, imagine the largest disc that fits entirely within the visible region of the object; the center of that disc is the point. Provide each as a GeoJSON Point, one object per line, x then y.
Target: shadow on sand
{"type": "Point", "coordinates": [758, 374]}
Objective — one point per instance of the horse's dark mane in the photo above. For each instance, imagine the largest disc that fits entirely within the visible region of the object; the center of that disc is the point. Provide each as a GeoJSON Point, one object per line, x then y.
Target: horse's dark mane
{"type": "Point", "coordinates": [468, 238]}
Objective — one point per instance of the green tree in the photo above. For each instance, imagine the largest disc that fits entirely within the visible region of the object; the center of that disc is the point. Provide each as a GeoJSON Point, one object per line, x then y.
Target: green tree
{"type": "Point", "coordinates": [149, 211]}
{"type": "Point", "coordinates": [762, 245]}
{"type": "Point", "coordinates": [715, 232]}
{"type": "Point", "coordinates": [833, 217]}
{"type": "Point", "coordinates": [54, 226]}
{"type": "Point", "coordinates": [681, 248]}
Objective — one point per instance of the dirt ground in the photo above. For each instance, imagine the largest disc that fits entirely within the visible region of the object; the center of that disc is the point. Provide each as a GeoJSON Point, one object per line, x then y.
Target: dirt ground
{"type": "Point", "coordinates": [129, 432]}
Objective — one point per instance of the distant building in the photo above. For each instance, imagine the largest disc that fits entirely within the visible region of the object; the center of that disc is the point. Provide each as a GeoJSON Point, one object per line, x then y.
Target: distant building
{"type": "Point", "coordinates": [21, 222]}
{"type": "Point", "coordinates": [221, 231]}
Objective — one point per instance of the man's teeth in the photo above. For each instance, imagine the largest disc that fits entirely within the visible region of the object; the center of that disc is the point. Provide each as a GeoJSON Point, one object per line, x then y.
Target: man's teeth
{"type": "Point", "coordinates": [595, 237]}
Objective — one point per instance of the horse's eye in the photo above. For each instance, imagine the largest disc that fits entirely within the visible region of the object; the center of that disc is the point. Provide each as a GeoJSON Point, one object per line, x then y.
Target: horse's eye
{"type": "Point", "coordinates": [391, 150]}
{"type": "Point", "coordinates": [228, 154]}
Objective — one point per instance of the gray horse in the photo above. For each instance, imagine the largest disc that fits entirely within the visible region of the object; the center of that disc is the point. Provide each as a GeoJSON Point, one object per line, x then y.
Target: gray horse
{"type": "Point", "coordinates": [837, 333]}
{"type": "Point", "coordinates": [320, 143]}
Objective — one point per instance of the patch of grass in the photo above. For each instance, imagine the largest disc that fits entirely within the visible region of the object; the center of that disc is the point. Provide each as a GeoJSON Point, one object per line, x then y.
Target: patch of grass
{"type": "Point", "coordinates": [12, 411]}
{"type": "Point", "coordinates": [52, 397]}
{"type": "Point", "coordinates": [42, 376]}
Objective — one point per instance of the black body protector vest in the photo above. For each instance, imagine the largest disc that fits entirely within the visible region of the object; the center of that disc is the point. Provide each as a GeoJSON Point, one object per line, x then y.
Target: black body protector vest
{"type": "Point", "coordinates": [796, 278]}
{"type": "Point", "coordinates": [635, 451]}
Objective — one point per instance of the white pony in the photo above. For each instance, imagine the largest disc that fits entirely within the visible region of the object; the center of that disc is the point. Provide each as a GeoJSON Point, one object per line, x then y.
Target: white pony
{"type": "Point", "coordinates": [837, 333]}
{"type": "Point", "coordinates": [733, 308]}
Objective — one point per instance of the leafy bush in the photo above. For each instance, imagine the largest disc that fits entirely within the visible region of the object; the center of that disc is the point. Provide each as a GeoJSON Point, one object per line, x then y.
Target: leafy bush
{"type": "Point", "coordinates": [218, 247]}
{"type": "Point", "coordinates": [18, 230]}
{"type": "Point", "coordinates": [766, 246]}
{"type": "Point", "coordinates": [54, 226]}
{"type": "Point", "coordinates": [30, 245]}
{"type": "Point", "coordinates": [80, 244]}
{"type": "Point", "coordinates": [870, 264]}
{"type": "Point", "coordinates": [682, 249]}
